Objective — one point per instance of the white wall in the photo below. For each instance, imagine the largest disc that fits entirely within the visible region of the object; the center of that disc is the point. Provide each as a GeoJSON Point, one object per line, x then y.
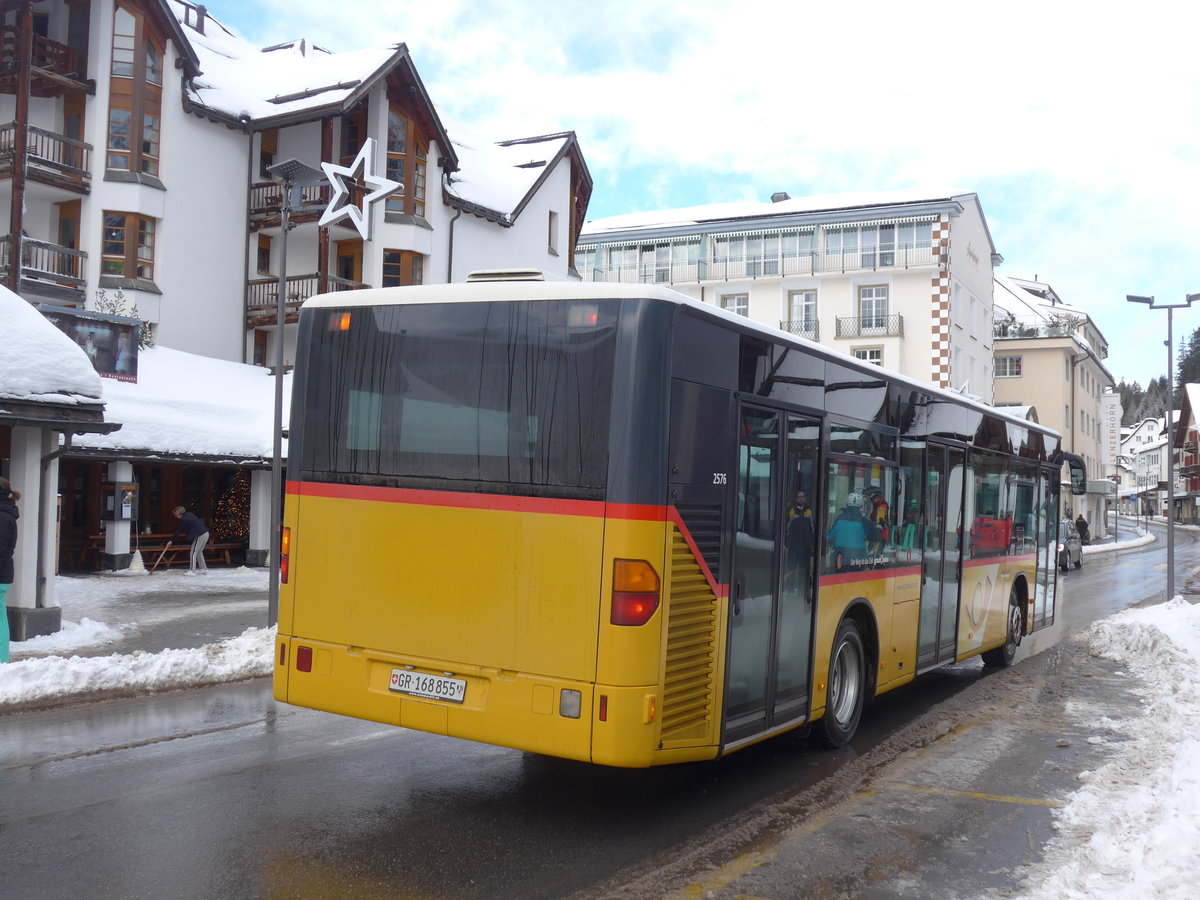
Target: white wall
{"type": "Point", "coordinates": [481, 244]}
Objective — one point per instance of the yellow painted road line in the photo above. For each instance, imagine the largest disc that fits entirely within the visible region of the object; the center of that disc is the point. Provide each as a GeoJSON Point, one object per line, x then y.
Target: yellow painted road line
{"type": "Point", "coordinates": [975, 795]}
{"type": "Point", "coordinates": [726, 875]}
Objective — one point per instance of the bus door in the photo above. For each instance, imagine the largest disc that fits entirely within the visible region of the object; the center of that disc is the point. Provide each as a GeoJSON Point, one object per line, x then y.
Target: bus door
{"type": "Point", "coordinates": [941, 569]}
{"type": "Point", "coordinates": [771, 593]}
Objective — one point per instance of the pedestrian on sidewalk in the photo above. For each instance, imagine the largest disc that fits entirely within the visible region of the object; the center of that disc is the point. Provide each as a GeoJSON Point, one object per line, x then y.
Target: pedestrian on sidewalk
{"type": "Point", "coordinates": [192, 528]}
{"type": "Point", "coordinates": [8, 544]}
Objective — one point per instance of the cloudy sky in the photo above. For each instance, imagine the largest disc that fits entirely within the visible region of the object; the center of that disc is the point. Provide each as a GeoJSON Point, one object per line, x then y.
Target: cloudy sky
{"type": "Point", "coordinates": [1077, 124]}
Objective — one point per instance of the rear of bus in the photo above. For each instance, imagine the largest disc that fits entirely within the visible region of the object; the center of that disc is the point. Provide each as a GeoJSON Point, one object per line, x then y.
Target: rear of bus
{"type": "Point", "coordinates": [454, 563]}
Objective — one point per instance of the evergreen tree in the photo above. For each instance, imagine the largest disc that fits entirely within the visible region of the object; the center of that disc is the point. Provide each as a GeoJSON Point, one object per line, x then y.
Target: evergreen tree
{"type": "Point", "coordinates": [1131, 397]}
{"type": "Point", "coordinates": [1188, 367]}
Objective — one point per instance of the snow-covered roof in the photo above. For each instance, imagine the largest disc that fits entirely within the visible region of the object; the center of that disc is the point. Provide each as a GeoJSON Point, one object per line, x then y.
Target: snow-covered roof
{"type": "Point", "coordinates": [242, 80]}
{"type": "Point", "coordinates": [40, 364]}
{"type": "Point", "coordinates": [861, 202]}
{"type": "Point", "coordinates": [191, 406]}
{"type": "Point", "coordinates": [500, 178]}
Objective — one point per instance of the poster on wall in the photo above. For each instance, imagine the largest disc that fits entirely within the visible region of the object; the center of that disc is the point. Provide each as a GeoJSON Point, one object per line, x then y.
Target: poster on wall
{"type": "Point", "coordinates": [110, 342]}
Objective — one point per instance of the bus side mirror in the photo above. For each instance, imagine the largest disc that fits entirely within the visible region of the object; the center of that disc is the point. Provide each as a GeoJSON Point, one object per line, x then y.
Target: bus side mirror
{"type": "Point", "coordinates": [1078, 474]}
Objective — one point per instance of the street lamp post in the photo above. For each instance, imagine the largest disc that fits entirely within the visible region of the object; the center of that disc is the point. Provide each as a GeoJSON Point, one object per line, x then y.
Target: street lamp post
{"type": "Point", "coordinates": [1170, 308]}
{"type": "Point", "coordinates": [296, 176]}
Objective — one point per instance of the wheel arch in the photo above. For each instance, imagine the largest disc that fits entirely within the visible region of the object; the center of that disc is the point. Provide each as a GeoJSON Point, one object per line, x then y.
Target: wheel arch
{"type": "Point", "coordinates": [863, 615]}
{"type": "Point", "coordinates": [1021, 589]}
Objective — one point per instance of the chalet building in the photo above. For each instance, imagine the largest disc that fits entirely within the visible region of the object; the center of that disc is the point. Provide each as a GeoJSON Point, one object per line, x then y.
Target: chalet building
{"type": "Point", "coordinates": [141, 145]}
{"type": "Point", "coordinates": [1185, 441]}
{"type": "Point", "coordinates": [900, 280]}
{"type": "Point", "coordinates": [1051, 356]}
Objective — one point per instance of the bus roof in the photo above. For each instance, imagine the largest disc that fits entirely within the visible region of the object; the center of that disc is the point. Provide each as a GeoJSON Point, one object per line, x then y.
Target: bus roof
{"type": "Point", "coordinates": [519, 289]}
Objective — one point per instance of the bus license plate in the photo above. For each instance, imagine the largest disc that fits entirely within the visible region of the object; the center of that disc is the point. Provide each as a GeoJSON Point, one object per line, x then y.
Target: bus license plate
{"type": "Point", "coordinates": [432, 687]}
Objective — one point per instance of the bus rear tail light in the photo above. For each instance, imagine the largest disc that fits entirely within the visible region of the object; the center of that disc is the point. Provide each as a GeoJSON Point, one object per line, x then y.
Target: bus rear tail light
{"type": "Point", "coordinates": [635, 592]}
{"type": "Point", "coordinates": [304, 658]}
{"type": "Point", "coordinates": [285, 550]}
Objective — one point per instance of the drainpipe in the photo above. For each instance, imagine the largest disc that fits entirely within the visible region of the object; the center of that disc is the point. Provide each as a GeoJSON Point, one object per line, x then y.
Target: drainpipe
{"type": "Point", "coordinates": [445, 179]}
{"type": "Point", "coordinates": [245, 120]}
{"type": "Point", "coordinates": [43, 512]}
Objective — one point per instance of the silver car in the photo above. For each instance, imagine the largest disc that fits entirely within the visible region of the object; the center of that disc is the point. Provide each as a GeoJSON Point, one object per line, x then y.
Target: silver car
{"type": "Point", "coordinates": [1070, 547]}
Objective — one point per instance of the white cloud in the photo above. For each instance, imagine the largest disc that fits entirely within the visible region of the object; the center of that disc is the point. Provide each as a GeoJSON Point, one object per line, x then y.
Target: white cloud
{"type": "Point", "coordinates": [1075, 125]}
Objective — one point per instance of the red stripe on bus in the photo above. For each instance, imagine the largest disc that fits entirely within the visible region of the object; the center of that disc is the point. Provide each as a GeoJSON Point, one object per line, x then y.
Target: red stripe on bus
{"type": "Point", "coordinates": [458, 499]}
{"type": "Point", "coordinates": [635, 511]}
{"type": "Point", "coordinates": [869, 575]}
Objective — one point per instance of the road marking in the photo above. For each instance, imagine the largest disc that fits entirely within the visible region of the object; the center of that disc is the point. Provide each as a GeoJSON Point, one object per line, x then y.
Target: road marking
{"type": "Point", "coordinates": [974, 795]}
{"type": "Point", "coordinates": [726, 875]}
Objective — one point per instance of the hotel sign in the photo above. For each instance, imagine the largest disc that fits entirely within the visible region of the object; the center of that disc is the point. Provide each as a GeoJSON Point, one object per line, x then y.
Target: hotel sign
{"type": "Point", "coordinates": [1110, 428]}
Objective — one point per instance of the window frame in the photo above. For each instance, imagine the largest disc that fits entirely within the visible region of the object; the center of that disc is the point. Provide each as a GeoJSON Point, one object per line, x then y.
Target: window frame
{"type": "Point", "coordinates": [133, 93]}
{"type": "Point", "coordinates": [407, 164]}
{"type": "Point", "coordinates": [1005, 366]}
{"type": "Point", "coordinates": [133, 263]}
{"type": "Point", "coordinates": [739, 303]}
{"type": "Point", "coordinates": [403, 268]}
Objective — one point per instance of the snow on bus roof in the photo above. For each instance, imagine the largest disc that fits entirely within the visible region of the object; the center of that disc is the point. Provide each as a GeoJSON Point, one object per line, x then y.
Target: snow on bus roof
{"type": "Point", "coordinates": [524, 287]}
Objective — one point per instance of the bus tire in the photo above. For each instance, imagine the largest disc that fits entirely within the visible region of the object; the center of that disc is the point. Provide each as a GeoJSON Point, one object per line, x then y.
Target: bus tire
{"type": "Point", "coordinates": [847, 687]}
{"type": "Point", "coordinates": [1002, 657]}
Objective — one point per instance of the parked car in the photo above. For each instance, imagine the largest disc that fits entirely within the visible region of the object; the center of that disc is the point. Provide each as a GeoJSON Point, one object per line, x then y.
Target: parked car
{"type": "Point", "coordinates": [1070, 547]}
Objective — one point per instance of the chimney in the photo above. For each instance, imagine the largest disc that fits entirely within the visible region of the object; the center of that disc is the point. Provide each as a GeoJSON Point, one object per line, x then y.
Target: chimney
{"type": "Point", "coordinates": [780, 196]}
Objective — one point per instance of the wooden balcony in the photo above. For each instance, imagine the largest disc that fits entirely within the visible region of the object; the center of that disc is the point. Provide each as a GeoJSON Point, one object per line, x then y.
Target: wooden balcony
{"type": "Point", "coordinates": [262, 296]}
{"type": "Point", "coordinates": [53, 159]}
{"type": "Point", "coordinates": [266, 204]}
{"type": "Point", "coordinates": [46, 269]}
{"type": "Point", "coordinates": [54, 68]}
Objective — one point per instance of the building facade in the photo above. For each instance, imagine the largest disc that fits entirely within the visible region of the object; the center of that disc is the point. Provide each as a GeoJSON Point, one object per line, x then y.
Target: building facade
{"type": "Point", "coordinates": [1051, 356]}
{"type": "Point", "coordinates": [142, 152]}
{"type": "Point", "coordinates": [900, 280]}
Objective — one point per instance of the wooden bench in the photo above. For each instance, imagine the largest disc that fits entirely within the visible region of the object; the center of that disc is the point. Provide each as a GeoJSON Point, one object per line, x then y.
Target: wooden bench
{"type": "Point", "coordinates": [180, 554]}
{"type": "Point", "coordinates": [90, 554]}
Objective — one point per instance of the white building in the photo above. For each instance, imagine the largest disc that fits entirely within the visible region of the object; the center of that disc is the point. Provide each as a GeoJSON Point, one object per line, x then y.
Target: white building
{"type": "Point", "coordinates": [903, 280]}
{"type": "Point", "coordinates": [1050, 355]}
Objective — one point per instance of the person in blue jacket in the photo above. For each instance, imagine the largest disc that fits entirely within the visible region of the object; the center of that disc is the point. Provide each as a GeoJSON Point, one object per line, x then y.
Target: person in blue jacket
{"type": "Point", "coordinates": [850, 533]}
{"type": "Point", "coordinates": [192, 528]}
{"type": "Point", "coordinates": [8, 545]}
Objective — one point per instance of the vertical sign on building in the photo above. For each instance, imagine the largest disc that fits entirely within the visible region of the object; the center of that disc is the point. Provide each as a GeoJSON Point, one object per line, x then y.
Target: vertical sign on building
{"type": "Point", "coordinates": [1110, 428]}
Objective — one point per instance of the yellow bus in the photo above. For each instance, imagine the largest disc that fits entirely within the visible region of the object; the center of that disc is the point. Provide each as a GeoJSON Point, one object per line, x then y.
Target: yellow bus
{"type": "Point", "coordinates": [613, 524]}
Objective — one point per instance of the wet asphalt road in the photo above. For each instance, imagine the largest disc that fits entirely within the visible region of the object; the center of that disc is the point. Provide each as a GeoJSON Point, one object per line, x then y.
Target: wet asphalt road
{"type": "Point", "coordinates": [220, 792]}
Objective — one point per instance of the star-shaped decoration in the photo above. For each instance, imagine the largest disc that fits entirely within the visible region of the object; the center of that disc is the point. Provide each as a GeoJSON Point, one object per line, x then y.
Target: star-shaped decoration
{"type": "Point", "coordinates": [346, 181]}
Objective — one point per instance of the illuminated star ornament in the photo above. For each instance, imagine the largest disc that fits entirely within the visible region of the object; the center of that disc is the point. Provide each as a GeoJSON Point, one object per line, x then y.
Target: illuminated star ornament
{"type": "Point", "coordinates": [346, 181]}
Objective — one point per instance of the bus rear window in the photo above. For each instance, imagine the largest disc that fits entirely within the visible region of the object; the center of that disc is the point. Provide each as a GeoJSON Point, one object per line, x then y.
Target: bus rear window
{"type": "Point", "coordinates": [515, 393]}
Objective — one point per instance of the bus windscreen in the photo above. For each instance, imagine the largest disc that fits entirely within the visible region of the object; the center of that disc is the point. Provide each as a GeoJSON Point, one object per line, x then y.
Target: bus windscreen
{"type": "Point", "coordinates": [506, 393]}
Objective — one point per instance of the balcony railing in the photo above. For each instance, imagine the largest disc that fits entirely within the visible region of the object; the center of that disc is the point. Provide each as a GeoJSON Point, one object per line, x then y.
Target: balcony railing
{"type": "Point", "coordinates": [263, 295]}
{"type": "Point", "coordinates": [44, 261]}
{"type": "Point", "coordinates": [808, 329]}
{"type": "Point", "coordinates": [67, 160]}
{"type": "Point", "coordinates": [1015, 329]}
{"type": "Point", "coordinates": [870, 326]}
{"type": "Point", "coordinates": [266, 202]}
{"type": "Point", "coordinates": [815, 262]}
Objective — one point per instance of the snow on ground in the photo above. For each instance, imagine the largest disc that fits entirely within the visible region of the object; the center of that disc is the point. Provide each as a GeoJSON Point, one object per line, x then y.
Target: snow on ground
{"type": "Point", "coordinates": [93, 615]}
{"type": "Point", "coordinates": [1132, 831]}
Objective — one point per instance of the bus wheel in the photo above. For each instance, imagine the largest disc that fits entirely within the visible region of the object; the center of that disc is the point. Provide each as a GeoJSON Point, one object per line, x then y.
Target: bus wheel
{"type": "Point", "coordinates": [1002, 657]}
{"type": "Point", "coordinates": [847, 687]}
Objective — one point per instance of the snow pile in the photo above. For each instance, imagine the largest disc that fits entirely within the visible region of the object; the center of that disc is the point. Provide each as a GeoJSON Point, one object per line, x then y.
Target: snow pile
{"type": "Point", "coordinates": [188, 404]}
{"type": "Point", "coordinates": [1132, 830]}
{"type": "Point", "coordinates": [39, 362]}
{"type": "Point", "coordinates": [246, 656]}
